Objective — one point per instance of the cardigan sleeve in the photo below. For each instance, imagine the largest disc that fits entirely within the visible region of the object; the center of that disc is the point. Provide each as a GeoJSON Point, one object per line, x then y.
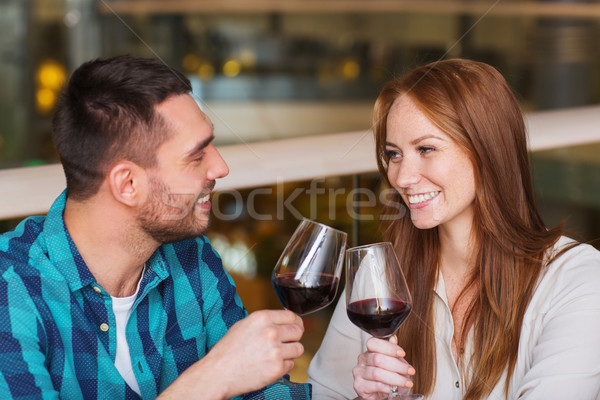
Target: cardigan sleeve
{"type": "Point", "coordinates": [564, 362]}
{"type": "Point", "coordinates": [330, 371]}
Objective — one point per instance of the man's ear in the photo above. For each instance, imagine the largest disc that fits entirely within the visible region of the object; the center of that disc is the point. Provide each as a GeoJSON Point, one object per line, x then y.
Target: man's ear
{"type": "Point", "coordinates": [127, 182]}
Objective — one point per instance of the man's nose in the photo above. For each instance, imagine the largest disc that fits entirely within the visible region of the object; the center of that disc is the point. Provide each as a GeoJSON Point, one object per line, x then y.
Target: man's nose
{"type": "Point", "coordinates": [218, 167]}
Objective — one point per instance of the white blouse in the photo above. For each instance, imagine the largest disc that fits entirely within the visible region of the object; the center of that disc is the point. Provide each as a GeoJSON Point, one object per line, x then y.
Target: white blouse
{"type": "Point", "coordinates": [559, 348]}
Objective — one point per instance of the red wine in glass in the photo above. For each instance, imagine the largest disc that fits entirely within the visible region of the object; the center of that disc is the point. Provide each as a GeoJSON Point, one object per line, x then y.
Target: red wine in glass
{"type": "Point", "coordinates": [308, 271]}
{"type": "Point", "coordinates": [307, 274]}
{"type": "Point", "coordinates": [377, 298]}
{"type": "Point", "coordinates": [378, 317]}
{"type": "Point", "coordinates": [305, 296]}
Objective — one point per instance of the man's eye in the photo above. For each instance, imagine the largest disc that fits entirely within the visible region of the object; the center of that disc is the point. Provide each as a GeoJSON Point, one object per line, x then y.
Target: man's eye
{"type": "Point", "coordinates": [198, 158]}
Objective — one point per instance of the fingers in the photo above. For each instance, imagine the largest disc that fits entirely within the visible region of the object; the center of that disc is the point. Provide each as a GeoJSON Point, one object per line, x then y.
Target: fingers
{"type": "Point", "coordinates": [290, 351]}
{"type": "Point", "coordinates": [383, 378]}
{"type": "Point", "coordinates": [289, 333]}
{"type": "Point", "coordinates": [370, 389]}
{"type": "Point", "coordinates": [261, 348]}
{"type": "Point", "coordinates": [280, 317]}
{"type": "Point", "coordinates": [280, 330]}
{"type": "Point", "coordinates": [283, 326]}
{"type": "Point", "coordinates": [385, 347]}
{"type": "Point", "coordinates": [389, 363]}
{"type": "Point", "coordinates": [375, 383]}
{"type": "Point", "coordinates": [381, 367]}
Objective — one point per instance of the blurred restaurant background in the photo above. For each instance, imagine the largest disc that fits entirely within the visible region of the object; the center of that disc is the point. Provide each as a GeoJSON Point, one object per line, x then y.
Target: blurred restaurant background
{"type": "Point", "coordinates": [267, 71]}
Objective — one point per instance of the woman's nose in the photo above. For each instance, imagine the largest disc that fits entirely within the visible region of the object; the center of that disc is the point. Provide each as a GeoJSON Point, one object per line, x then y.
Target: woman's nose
{"type": "Point", "coordinates": [404, 175]}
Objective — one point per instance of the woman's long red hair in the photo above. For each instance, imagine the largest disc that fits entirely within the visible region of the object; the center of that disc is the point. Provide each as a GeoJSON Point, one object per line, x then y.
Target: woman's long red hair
{"type": "Point", "coordinates": [472, 103]}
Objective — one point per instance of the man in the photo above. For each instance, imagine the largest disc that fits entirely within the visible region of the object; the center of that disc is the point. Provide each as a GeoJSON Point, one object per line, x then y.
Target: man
{"type": "Point", "coordinates": [115, 293]}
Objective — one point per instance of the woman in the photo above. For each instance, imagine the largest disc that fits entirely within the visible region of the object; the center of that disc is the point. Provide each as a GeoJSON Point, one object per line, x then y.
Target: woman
{"type": "Point", "coordinates": [503, 307]}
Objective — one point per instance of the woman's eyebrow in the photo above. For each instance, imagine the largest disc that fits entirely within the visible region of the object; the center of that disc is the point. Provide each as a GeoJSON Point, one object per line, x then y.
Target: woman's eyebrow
{"type": "Point", "coordinates": [421, 138]}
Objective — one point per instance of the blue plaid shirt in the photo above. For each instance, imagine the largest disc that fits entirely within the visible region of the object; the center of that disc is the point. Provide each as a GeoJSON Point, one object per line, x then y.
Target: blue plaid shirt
{"type": "Point", "coordinates": [54, 341]}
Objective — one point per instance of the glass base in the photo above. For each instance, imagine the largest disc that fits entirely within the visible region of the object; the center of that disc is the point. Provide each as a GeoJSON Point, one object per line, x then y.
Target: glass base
{"type": "Point", "coordinates": [402, 396]}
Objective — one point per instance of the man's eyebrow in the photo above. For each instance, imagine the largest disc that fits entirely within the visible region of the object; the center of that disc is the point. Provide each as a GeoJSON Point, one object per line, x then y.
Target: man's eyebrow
{"type": "Point", "coordinates": [200, 146]}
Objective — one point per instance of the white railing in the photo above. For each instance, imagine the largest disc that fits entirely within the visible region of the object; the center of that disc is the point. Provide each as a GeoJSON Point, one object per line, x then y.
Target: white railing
{"type": "Point", "coordinates": [31, 191]}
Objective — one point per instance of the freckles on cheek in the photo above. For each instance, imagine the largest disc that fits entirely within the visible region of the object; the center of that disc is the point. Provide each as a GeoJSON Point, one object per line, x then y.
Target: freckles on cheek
{"type": "Point", "coordinates": [464, 183]}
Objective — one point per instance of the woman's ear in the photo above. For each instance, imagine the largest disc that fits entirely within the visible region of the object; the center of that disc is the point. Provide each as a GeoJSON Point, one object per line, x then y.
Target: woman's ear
{"type": "Point", "coordinates": [127, 182]}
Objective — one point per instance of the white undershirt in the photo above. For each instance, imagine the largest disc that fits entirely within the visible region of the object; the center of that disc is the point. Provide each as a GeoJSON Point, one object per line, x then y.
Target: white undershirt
{"type": "Point", "coordinates": [122, 307]}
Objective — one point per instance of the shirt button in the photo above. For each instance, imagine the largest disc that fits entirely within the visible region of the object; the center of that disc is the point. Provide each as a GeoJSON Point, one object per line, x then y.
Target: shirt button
{"type": "Point", "coordinates": [97, 289]}
{"type": "Point", "coordinates": [455, 383]}
{"type": "Point", "coordinates": [104, 327]}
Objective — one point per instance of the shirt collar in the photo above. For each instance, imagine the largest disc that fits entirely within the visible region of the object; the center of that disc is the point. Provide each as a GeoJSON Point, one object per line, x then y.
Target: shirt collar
{"type": "Point", "coordinates": [64, 255]}
{"type": "Point", "coordinates": [158, 264]}
{"type": "Point", "coordinates": [440, 287]}
{"type": "Point", "coordinates": [62, 250]}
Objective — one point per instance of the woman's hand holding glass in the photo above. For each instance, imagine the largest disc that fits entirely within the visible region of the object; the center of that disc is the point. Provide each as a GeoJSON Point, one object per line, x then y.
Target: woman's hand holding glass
{"type": "Point", "coordinates": [380, 367]}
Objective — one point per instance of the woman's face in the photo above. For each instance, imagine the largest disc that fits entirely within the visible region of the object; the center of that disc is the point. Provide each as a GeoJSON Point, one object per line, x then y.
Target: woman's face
{"type": "Point", "coordinates": [431, 172]}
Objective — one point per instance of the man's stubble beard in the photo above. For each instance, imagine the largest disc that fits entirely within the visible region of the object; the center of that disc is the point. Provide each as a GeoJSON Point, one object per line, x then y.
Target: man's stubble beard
{"type": "Point", "coordinates": [169, 217]}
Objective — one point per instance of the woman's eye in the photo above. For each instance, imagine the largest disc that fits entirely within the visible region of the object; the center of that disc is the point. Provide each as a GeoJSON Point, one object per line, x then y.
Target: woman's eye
{"type": "Point", "coordinates": [391, 154]}
{"type": "Point", "coordinates": [425, 149]}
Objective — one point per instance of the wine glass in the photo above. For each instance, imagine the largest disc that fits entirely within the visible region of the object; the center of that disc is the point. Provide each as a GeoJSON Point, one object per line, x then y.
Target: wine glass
{"type": "Point", "coordinates": [370, 302]}
{"type": "Point", "coordinates": [307, 275]}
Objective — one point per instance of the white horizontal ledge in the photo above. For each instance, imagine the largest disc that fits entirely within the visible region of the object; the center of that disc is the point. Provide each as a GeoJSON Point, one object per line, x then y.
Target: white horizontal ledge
{"type": "Point", "coordinates": [31, 191]}
{"type": "Point", "coordinates": [297, 159]}
{"type": "Point", "coordinates": [563, 128]}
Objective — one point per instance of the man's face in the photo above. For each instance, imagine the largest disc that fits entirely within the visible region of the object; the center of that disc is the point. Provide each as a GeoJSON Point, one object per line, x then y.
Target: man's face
{"type": "Point", "coordinates": [178, 206]}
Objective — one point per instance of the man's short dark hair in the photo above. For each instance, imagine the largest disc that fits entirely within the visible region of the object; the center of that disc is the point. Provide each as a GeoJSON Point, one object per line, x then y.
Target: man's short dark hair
{"type": "Point", "coordinates": [106, 114]}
